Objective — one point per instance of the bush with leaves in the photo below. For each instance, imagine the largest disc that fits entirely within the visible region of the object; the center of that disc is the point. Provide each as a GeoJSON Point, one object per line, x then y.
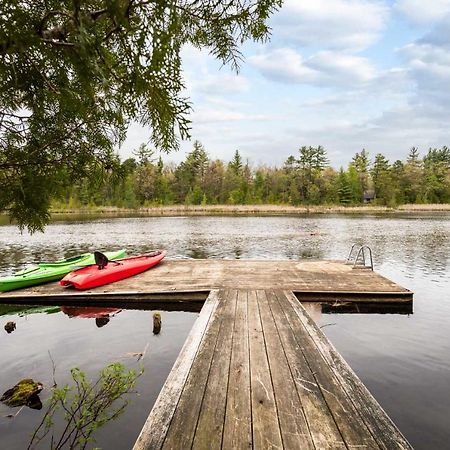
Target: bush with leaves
{"type": "Point", "coordinates": [85, 407]}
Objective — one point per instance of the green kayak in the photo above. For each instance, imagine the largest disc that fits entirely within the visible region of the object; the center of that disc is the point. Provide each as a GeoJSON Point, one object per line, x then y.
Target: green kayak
{"type": "Point", "coordinates": [51, 271]}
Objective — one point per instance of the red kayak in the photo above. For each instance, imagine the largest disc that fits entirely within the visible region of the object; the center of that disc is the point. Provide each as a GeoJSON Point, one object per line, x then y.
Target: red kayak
{"type": "Point", "coordinates": [105, 272]}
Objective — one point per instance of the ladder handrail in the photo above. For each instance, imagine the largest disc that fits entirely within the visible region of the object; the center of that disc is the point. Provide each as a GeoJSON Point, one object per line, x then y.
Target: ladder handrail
{"type": "Point", "coordinates": [361, 252]}
{"type": "Point", "coordinates": [360, 255]}
{"type": "Point", "coordinates": [349, 260]}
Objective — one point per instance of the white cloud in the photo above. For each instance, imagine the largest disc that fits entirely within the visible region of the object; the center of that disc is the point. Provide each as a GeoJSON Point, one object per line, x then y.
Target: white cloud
{"type": "Point", "coordinates": [204, 75]}
{"type": "Point", "coordinates": [428, 62]}
{"type": "Point", "coordinates": [210, 83]}
{"type": "Point", "coordinates": [360, 103]}
{"type": "Point", "coordinates": [427, 58]}
{"type": "Point", "coordinates": [333, 24]}
{"type": "Point", "coordinates": [207, 116]}
{"type": "Point", "coordinates": [342, 67]}
{"type": "Point", "coordinates": [283, 64]}
{"type": "Point", "coordinates": [423, 11]}
{"type": "Point", "coordinates": [324, 68]}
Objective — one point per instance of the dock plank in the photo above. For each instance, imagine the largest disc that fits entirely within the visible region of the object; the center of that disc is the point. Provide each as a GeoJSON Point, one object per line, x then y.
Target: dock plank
{"type": "Point", "coordinates": [208, 434]}
{"type": "Point", "coordinates": [293, 425]}
{"type": "Point", "coordinates": [265, 424]}
{"type": "Point", "coordinates": [184, 422]}
{"type": "Point", "coordinates": [237, 432]}
{"type": "Point", "coordinates": [324, 432]}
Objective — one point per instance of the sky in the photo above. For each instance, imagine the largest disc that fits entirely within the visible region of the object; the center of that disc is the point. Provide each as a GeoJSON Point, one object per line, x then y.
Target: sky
{"type": "Point", "coordinates": [344, 74]}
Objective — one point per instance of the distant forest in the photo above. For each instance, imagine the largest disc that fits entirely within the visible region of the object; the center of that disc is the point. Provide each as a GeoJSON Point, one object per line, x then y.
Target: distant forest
{"type": "Point", "coordinates": [305, 179]}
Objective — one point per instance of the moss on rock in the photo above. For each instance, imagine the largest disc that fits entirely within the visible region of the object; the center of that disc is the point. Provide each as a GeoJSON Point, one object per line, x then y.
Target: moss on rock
{"type": "Point", "coordinates": [23, 393]}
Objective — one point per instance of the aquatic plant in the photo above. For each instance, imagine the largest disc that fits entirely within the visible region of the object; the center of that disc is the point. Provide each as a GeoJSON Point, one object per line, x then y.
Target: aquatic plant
{"type": "Point", "coordinates": [84, 407]}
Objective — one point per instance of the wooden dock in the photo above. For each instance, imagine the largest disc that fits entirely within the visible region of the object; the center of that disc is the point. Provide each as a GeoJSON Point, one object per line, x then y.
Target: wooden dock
{"type": "Point", "coordinates": [191, 280]}
{"type": "Point", "coordinates": [257, 373]}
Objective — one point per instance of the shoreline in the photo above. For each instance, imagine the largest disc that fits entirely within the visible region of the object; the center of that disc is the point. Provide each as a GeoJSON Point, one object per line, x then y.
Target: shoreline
{"type": "Point", "coordinates": [198, 210]}
{"type": "Point", "coordinates": [61, 214]}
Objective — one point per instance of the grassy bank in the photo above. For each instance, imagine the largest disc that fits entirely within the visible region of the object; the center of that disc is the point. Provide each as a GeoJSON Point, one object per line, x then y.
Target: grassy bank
{"type": "Point", "coordinates": [199, 210]}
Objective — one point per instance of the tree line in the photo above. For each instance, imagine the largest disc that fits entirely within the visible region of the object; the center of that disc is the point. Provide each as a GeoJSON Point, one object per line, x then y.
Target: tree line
{"type": "Point", "coordinates": [304, 179]}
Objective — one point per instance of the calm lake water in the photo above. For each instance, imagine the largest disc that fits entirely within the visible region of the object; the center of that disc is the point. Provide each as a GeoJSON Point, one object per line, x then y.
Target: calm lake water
{"type": "Point", "coordinates": [74, 341]}
{"type": "Point", "coordinates": [404, 360]}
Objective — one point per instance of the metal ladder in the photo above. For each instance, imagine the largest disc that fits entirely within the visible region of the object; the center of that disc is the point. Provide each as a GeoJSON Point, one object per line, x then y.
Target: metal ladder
{"type": "Point", "coordinates": [359, 261]}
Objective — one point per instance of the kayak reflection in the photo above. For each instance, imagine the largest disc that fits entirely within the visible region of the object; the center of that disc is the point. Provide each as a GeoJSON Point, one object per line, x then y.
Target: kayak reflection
{"type": "Point", "coordinates": [101, 315]}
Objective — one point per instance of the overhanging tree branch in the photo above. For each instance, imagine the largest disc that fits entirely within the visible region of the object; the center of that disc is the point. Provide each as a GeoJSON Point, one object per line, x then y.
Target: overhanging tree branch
{"type": "Point", "coordinates": [103, 64]}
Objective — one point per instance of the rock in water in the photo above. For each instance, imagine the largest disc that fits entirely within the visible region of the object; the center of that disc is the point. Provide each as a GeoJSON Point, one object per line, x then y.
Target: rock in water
{"type": "Point", "coordinates": [10, 327]}
{"type": "Point", "coordinates": [25, 392]}
{"type": "Point", "coordinates": [156, 323]}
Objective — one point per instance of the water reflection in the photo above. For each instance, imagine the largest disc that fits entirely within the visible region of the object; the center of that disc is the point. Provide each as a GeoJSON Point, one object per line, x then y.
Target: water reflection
{"type": "Point", "coordinates": [24, 393]}
{"type": "Point", "coordinates": [316, 309]}
{"type": "Point", "coordinates": [102, 316]}
{"type": "Point", "coordinates": [89, 312]}
{"type": "Point", "coordinates": [10, 327]}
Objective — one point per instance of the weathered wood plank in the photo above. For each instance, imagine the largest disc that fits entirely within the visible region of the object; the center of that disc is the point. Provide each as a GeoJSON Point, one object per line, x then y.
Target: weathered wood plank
{"type": "Point", "coordinates": [155, 428]}
{"type": "Point", "coordinates": [294, 428]}
{"type": "Point", "coordinates": [208, 434]}
{"type": "Point", "coordinates": [184, 422]}
{"type": "Point", "coordinates": [350, 424]}
{"type": "Point", "coordinates": [322, 426]}
{"type": "Point", "coordinates": [237, 433]}
{"type": "Point", "coordinates": [387, 435]}
{"type": "Point", "coordinates": [265, 424]}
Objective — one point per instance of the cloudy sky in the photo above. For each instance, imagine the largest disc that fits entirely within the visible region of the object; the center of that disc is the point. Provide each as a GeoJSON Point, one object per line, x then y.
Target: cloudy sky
{"type": "Point", "coordinates": [345, 74]}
